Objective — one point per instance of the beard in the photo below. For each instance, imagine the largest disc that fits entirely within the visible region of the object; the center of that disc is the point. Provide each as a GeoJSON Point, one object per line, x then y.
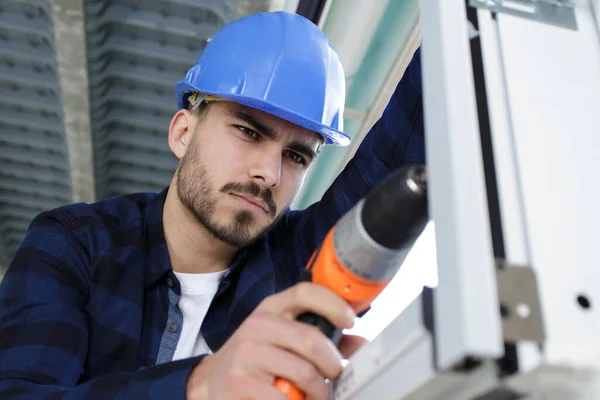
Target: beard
{"type": "Point", "coordinates": [195, 191]}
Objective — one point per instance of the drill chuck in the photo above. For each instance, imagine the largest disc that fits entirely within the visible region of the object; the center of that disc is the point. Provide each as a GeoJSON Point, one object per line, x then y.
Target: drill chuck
{"type": "Point", "coordinates": [373, 239]}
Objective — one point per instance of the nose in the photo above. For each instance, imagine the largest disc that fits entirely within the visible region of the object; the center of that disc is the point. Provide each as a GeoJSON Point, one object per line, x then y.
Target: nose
{"type": "Point", "coordinates": [266, 169]}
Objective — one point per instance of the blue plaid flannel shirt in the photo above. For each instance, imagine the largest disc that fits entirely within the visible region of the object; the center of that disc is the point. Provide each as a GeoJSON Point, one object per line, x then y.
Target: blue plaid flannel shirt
{"type": "Point", "coordinates": [84, 305]}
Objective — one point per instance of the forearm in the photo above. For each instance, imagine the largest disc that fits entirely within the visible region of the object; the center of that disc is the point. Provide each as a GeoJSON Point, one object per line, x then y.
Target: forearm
{"type": "Point", "coordinates": [396, 139]}
{"type": "Point", "coordinates": [165, 381]}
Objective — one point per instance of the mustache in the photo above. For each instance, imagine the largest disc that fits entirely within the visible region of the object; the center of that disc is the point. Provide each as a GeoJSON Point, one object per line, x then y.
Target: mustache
{"type": "Point", "coordinates": [253, 189]}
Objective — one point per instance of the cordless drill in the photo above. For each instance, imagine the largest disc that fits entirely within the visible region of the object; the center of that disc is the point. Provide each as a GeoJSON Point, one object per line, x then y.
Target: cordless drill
{"type": "Point", "coordinates": [363, 251]}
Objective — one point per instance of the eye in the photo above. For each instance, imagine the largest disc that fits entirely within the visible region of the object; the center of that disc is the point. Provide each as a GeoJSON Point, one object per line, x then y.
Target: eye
{"type": "Point", "coordinates": [295, 157]}
{"type": "Point", "coordinates": [248, 132]}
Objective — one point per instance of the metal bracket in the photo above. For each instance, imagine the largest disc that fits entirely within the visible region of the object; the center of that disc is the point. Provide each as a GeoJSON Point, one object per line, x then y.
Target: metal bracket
{"type": "Point", "coordinates": [554, 12]}
{"type": "Point", "coordinates": [519, 304]}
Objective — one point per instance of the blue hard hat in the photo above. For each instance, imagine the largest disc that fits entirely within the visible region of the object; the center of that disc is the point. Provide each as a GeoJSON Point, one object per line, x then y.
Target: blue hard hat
{"type": "Point", "coordinates": [277, 62]}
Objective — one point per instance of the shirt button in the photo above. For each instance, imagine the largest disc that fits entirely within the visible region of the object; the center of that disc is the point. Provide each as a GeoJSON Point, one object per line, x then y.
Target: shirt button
{"type": "Point", "coordinates": [172, 328]}
{"type": "Point", "coordinates": [170, 282]}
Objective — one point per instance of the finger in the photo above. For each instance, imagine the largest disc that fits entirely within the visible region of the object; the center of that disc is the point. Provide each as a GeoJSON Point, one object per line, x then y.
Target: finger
{"type": "Point", "coordinates": [309, 297]}
{"type": "Point", "coordinates": [350, 343]}
{"type": "Point", "coordinates": [258, 390]}
{"type": "Point", "coordinates": [299, 338]}
{"type": "Point", "coordinates": [277, 362]}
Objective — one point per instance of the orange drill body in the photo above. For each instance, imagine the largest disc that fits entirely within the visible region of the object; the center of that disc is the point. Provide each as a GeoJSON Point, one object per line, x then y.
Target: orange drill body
{"type": "Point", "coordinates": [329, 271]}
{"type": "Point", "coordinates": [363, 251]}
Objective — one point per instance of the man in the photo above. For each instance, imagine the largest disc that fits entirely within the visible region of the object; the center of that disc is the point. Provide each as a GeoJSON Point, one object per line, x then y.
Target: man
{"type": "Point", "coordinates": [190, 293]}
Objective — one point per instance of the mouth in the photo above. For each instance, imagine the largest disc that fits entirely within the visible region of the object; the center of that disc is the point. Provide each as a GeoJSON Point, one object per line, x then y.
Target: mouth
{"type": "Point", "coordinates": [251, 202]}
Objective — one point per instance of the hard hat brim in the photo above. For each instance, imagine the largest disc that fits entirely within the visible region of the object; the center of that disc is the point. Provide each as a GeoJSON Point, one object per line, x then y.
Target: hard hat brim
{"type": "Point", "coordinates": [333, 137]}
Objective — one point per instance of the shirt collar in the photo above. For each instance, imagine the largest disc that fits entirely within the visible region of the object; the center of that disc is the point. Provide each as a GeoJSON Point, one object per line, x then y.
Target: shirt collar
{"type": "Point", "coordinates": [158, 263]}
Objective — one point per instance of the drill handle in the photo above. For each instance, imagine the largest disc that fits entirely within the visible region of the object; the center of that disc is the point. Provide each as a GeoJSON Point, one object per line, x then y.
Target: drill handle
{"type": "Point", "coordinates": [322, 323]}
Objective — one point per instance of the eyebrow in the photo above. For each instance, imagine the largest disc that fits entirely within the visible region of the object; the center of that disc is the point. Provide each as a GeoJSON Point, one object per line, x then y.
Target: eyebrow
{"type": "Point", "coordinates": [256, 124]}
{"type": "Point", "coordinates": [271, 133]}
{"type": "Point", "coordinates": [302, 149]}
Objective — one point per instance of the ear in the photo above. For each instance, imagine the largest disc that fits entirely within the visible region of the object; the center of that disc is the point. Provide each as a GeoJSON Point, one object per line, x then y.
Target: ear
{"type": "Point", "coordinates": [181, 130]}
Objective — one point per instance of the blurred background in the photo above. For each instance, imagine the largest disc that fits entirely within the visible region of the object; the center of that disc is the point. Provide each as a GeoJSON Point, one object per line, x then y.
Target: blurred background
{"type": "Point", "coordinates": [86, 92]}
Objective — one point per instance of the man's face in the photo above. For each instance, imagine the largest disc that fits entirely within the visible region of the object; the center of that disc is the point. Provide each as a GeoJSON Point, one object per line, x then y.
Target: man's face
{"type": "Point", "coordinates": [242, 169]}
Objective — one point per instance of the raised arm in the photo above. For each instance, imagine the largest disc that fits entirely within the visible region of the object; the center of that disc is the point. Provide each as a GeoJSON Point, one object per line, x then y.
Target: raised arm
{"type": "Point", "coordinates": [395, 140]}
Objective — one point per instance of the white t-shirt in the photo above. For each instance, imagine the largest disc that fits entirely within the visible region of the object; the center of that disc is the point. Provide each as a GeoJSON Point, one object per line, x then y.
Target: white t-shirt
{"type": "Point", "coordinates": [197, 292]}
